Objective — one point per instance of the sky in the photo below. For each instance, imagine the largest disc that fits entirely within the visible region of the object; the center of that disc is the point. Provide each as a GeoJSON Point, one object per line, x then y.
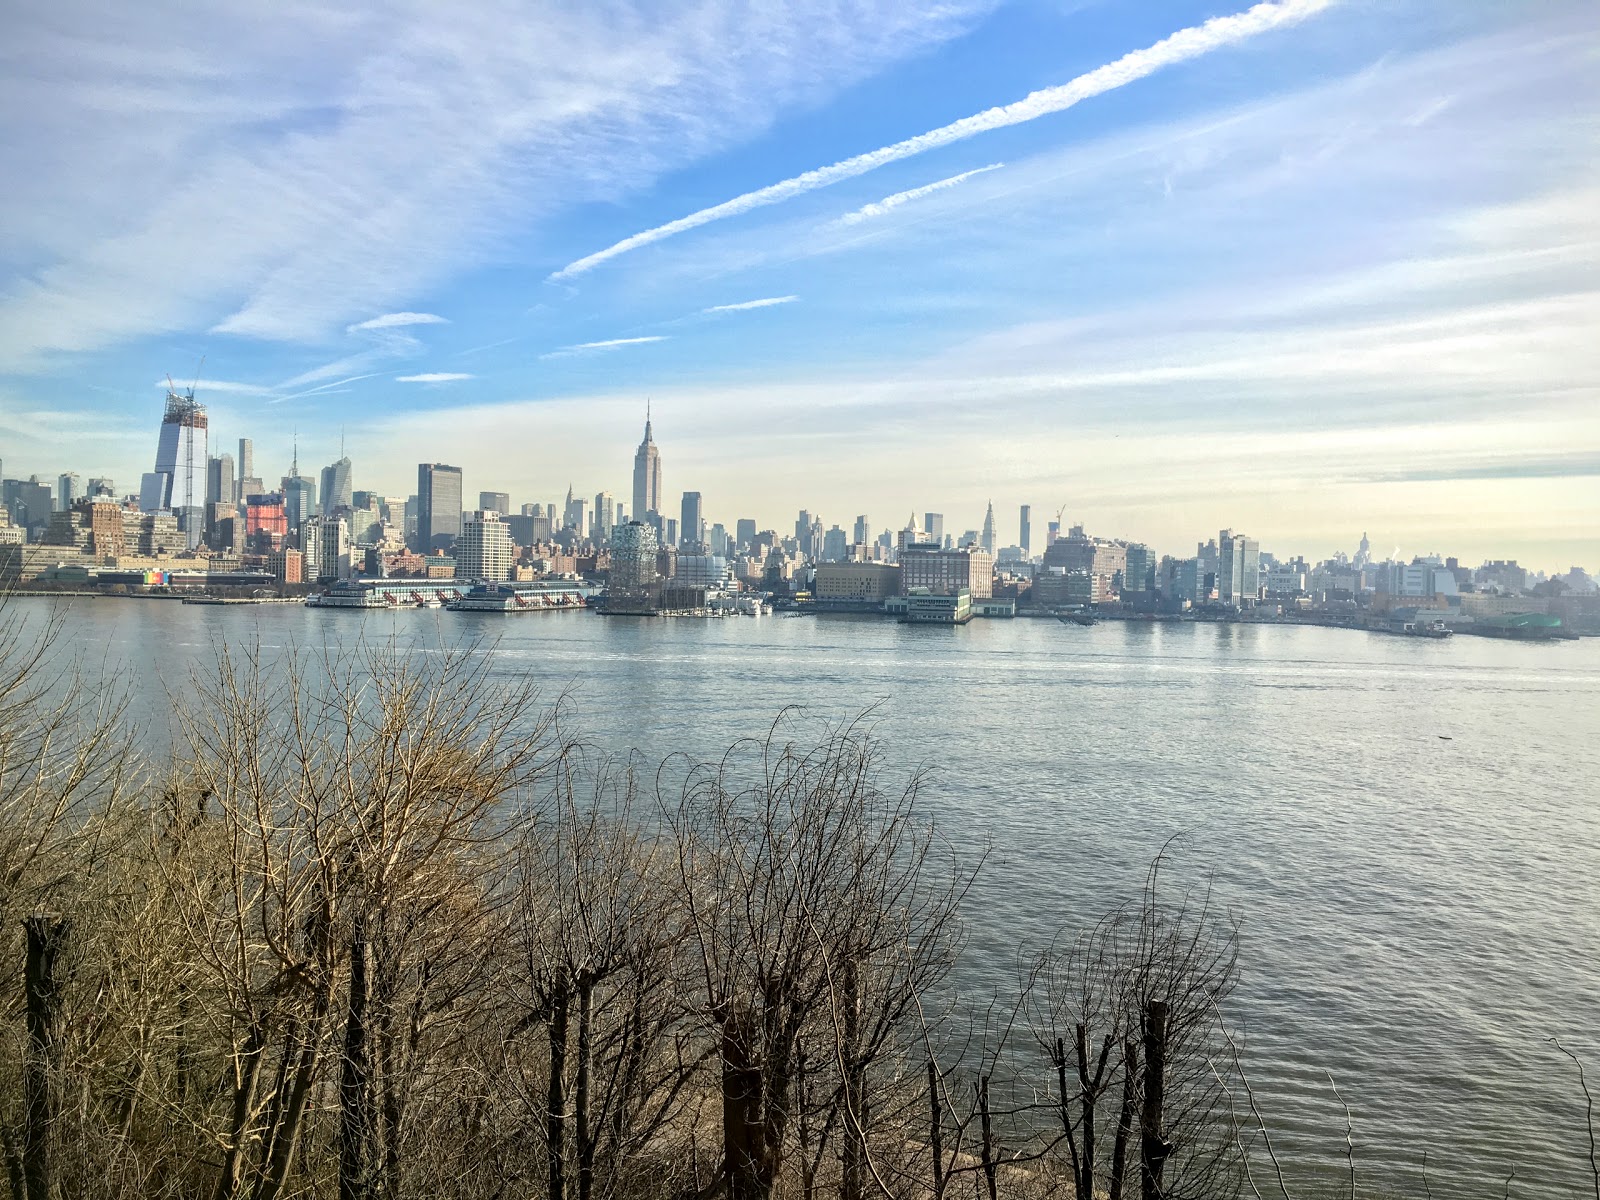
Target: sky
{"type": "Point", "coordinates": [1304, 269]}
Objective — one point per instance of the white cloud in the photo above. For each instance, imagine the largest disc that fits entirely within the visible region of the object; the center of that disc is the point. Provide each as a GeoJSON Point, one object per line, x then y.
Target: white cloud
{"type": "Point", "coordinates": [280, 174]}
{"type": "Point", "coordinates": [745, 305]}
{"type": "Point", "coordinates": [216, 385]}
{"type": "Point", "coordinates": [889, 203]}
{"type": "Point", "coordinates": [611, 344]}
{"type": "Point", "coordinates": [397, 320]}
{"type": "Point", "coordinates": [434, 377]}
{"type": "Point", "coordinates": [1179, 47]}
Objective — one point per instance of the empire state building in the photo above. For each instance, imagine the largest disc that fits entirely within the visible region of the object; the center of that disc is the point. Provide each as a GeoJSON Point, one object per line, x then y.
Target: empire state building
{"type": "Point", "coordinates": [646, 476]}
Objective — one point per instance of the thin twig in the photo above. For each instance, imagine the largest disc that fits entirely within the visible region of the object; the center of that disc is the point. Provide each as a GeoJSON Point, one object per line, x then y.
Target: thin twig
{"type": "Point", "coordinates": [1349, 1142]}
{"type": "Point", "coordinates": [1588, 1114]}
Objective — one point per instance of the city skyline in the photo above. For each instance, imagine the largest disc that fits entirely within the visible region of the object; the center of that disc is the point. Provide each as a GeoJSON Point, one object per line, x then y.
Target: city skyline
{"type": "Point", "coordinates": [1301, 274]}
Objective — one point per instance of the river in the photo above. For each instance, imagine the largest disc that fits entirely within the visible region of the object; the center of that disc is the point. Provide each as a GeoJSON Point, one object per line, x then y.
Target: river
{"type": "Point", "coordinates": [1407, 829]}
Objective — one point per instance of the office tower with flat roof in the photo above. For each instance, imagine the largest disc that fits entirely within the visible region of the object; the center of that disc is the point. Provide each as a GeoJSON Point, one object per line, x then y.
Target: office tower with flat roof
{"type": "Point", "coordinates": [299, 499]}
{"type": "Point", "coordinates": [219, 480]}
{"type": "Point", "coordinates": [67, 491]}
{"type": "Point", "coordinates": [246, 466]}
{"type": "Point", "coordinates": [1238, 569]}
{"type": "Point", "coordinates": [499, 502]}
{"type": "Point", "coordinates": [833, 545]}
{"type": "Point", "coordinates": [690, 522]}
{"type": "Point", "coordinates": [484, 550]}
{"type": "Point", "coordinates": [1027, 531]}
{"type": "Point", "coordinates": [863, 531]}
{"type": "Point", "coordinates": [605, 517]}
{"type": "Point", "coordinates": [647, 476]}
{"type": "Point", "coordinates": [933, 527]}
{"type": "Point", "coordinates": [438, 507]}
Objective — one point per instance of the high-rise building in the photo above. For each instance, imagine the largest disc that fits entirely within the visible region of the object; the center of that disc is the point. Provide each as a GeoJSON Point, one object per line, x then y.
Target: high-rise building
{"type": "Point", "coordinates": [484, 550]}
{"type": "Point", "coordinates": [605, 517]}
{"type": "Point", "coordinates": [634, 583]}
{"type": "Point", "coordinates": [833, 545]}
{"type": "Point", "coordinates": [1051, 533]}
{"type": "Point", "coordinates": [1027, 531]}
{"type": "Point", "coordinates": [691, 519]}
{"type": "Point", "coordinates": [863, 531]}
{"type": "Point", "coordinates": [744, 533]}
{"type": "Point", "coordinates": [325, 545]}
{"type": "Point", "coordinates": [718, 540]}
{"type": "Point", "coordinates": [1139, 574]}
{"type": "Point", "coordinates": [67, 492]}
{"type": "Point", "coordinates": [299, 498]}
{"type": "Point", "coordinates": [246, 467]}
{"type": "Point", "coordinates": [499, 502]}
{"type": "Point", "coordinates": [986, 538]}
{"type": "Point", "coordinates": [438, 507]}
{"type": "Point", "coordinates": [646, 476]}
{"type": "Point", "coordinates": [802, 529]}
{"type": "Point", "coordinates": [1238, 569]}
{"type": "Point", "coordinates": [933, 527]}
{"type": "Point", "coordinates": [946, 572]}
{"type": "Point", "coordinates": [219, 480]}
{"type": "Point", "coordinates": [178, 482]}
{"type": "Point", "coordinates": [336, 489]}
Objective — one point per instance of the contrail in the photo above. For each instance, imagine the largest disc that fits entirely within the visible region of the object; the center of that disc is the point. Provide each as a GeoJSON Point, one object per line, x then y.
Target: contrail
{"type": "Point", "coordinates": [878, 207]}
{"type": "Point", "coordinates": [1179, 47]}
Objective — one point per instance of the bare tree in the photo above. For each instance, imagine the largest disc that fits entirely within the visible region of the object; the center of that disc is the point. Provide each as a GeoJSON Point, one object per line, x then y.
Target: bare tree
{"type": "Point", "coordinates": [817, 914]}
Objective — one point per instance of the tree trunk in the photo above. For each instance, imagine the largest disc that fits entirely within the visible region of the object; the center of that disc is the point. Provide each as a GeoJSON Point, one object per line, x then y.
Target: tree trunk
{"type": "Point", "coordinates": [936, 1130]}
{"type": "Point", "coordinates": [855, 1089]}
{"type": "Point", "coordinates": [1130, 1097]}
{"type": "Point", "coordinates": [244, 1098]}
{"type": "Point", "coordinates": [556, 1098]}
{"type": "Point", "coordinates": [991, 1169]}
{"type": "Point", "coordinates": [355, 1074]}
{"type": "Point", "coordinates": [742, 1130]}
{"type": "Point", "coordinates": [585, 1136]}
{"type": "Point", "coordinates": [46, 938]}
{"type": "Point", "coordinates": [1153, 1147]}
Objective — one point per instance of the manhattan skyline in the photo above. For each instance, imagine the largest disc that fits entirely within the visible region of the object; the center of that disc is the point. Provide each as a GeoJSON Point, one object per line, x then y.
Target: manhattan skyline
{"type": "Point", "coordinates": [1326, 268]}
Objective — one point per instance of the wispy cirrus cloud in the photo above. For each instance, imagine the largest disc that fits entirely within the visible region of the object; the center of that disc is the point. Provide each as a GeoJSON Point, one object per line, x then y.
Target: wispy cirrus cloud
{"type": "Point", "coordinates": [397, 320]}
{"type": "Point", "coordinates": [228, 386]}
{"type": "Point", "coordinates": [746, 305]}
{"type": "Point", "coordinates": [349, 151]}
{"type": "Point", "coordinates": [889, 203]}
{"type": "Point", "coordinates": [609, 344]}
{"type": "Point", "coordinates": [1179, 47]}
{"type": "Point", "coordinates": [435, 377]}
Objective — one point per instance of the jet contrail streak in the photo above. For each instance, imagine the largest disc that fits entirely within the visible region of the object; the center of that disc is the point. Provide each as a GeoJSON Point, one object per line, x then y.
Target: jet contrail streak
{"type": "Point", "coordinates": [1179, 47]}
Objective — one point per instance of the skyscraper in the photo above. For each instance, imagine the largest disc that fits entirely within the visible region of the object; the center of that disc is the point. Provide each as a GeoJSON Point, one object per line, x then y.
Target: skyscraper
{"type": "Point", "coordinates": [863, 531]}
{"type": "Point", "coordinates": [986, 538]}
{"type": "Point", "coordinates": [484, 550]}
{"type": "Point", "coordinates": [690, 512]}
{"type": "Point", "coordinates": [438, 507]}
{"type": "Point", "coordinates": [336, 489]}
{"type": "Point", "coordinates": [1027, 531]}
{"type": "Point", "coordinates": [605, 516]}
{"type": "Point", "coordinates": [219, 480]}
{"type": "Point", "coordinates": [67, 493]}
{"type": "Point", "coordinates": [499, 502]}
{"type": "Point", "coordinates": [179, 480]}
{"type": "Point", "coordinates": [647, 477]}
{"type": "Point", "coordinates": [744, 532]}
{"type": "Point", "coordinates": [1238, 569]}
{"type": "Point", "coordinates": [933, 527]}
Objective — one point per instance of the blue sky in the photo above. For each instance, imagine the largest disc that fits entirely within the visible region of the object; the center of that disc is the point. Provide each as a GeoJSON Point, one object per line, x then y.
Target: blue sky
{"type": "Point", "coordinates": [1316, 267]}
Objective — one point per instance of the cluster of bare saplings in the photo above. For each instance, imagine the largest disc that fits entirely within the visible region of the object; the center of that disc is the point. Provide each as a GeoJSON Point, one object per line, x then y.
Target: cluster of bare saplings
{"type": "Point", "coordinates": [378, 930]}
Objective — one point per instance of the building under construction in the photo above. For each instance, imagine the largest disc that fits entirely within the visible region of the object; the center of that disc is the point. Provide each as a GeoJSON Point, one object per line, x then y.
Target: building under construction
{"type": "Point", "coordinates": [178, 484]}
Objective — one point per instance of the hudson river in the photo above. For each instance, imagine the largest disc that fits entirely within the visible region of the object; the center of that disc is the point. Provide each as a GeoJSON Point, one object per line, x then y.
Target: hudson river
{"type": "Point", "coordinates": [1407, 829]}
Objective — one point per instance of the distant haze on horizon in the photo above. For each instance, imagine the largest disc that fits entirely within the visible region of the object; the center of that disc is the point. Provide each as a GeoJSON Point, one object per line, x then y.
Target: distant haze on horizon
{"type": "Point", "coordinates": [1304, 269]}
